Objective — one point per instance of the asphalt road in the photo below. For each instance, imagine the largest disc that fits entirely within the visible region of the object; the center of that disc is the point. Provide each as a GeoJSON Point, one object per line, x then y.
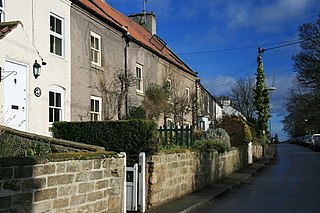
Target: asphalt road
{"type": "Point", "coordinates": [290, 183]}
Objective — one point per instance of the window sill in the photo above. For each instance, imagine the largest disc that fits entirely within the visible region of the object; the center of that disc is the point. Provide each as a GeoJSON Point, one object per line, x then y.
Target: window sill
{"type": "Point", "coordinates": [98, 67]}
{"type": "Point", "coordinates": [140, 93]}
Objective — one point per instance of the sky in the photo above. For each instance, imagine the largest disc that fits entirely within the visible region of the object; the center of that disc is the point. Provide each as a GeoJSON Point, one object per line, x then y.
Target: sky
{"type": "Point", "coordinates": [219, 39]}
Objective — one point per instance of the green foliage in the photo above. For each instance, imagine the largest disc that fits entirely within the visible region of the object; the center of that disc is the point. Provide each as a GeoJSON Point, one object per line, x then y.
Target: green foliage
{"type": "Point", "coordinates": [217, 134]}
{"type": "Point", "coordinates": [12, 146]}
{"type": "Point", "coordinates": [130, 136]}
{"type": "Point", "coordinates": [261, 99]}
{"type": "Point", "coordinates": [38, 149]}
{"type": "Point", "coordinates": [211, 144]}
{"type": "Point", "coordinates": [198, 134]}
{"type": "Point", "coordinates": [156, 101]}
{"type": "Point", "coordinates": [136, 113]}
{"type": "Point", "coordinates": [8, 147]}
{"type": "Point", "coordinates": [238, 130]}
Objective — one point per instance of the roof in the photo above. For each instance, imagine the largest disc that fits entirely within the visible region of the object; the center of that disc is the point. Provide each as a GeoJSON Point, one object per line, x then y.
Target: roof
{"type": "Point", "coordinates": [7, 27]}
{"type": "Point", "coordinates": [139, 34]}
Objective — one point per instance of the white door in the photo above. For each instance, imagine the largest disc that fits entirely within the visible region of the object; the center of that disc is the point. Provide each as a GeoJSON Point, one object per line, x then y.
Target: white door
{"type": "Point", "coordinates": [15, 96]}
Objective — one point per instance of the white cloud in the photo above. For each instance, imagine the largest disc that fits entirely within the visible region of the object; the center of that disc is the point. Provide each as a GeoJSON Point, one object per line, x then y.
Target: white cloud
{"type": "Point", "coordinates": [265, 17]}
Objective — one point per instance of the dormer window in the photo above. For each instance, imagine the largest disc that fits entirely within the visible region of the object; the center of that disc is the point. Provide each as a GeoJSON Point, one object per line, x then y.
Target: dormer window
{"type": "Point", "coordinates": [1, 10]}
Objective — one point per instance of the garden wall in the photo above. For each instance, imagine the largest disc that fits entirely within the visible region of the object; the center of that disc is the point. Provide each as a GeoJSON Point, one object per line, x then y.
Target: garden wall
{"type": "Point", "coordinates": [176, 175]}
{"type": "Point", "coordinates": [66, 182]}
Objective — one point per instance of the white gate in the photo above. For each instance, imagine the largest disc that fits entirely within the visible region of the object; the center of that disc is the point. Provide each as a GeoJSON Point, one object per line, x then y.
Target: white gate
{"type": "Point", "coordinates": [135, 185]}
{"type": "Point", "coordinates": [132, 188]}
{"type": "Point", "coordinates": [15, 96]}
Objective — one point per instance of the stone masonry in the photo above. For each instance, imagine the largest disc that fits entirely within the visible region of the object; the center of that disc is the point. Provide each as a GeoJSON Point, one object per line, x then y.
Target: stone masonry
{"type": "Point", "coordinates": [71, 183]}
{"type": "Point", "coordinates": [176, 175]}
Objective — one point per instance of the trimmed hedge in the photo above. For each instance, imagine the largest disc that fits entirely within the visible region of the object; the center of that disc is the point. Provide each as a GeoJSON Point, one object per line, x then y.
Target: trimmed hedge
{"type": "Point", "coordinates": [130, 136]}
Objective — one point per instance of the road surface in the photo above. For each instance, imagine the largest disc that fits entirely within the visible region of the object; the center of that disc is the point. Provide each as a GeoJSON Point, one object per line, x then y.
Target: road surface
{"type": "Point", "coordinates": [290, 183]}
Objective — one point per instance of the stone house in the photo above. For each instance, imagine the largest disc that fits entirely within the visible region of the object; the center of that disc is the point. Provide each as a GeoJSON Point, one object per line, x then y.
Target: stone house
{"type": "Point", "coordinates": [127, 50]}
{"type": "Point", "coordinates": [96, 64]}
{"type": "Point", "coordinates": [209, 111]}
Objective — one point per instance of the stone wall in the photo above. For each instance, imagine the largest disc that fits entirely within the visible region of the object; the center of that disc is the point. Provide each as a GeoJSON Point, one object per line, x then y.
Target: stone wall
{"type": "Point", "coordinates": [179, 174]}
{"type": "Point", "coordinates": [72, 182]}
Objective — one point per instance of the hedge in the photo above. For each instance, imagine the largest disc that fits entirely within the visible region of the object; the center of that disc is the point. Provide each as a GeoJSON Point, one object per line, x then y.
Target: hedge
{"type": "Point", "coordinates": [130, 136]}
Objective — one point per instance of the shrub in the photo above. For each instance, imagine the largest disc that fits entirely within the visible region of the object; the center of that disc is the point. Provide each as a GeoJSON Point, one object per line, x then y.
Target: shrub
{"type": "Point", "coordinates": [136, 113]}
{"type": "Point", "coordinates": [238, 130]}
{"type": "Point", "coordinates": [217, 134]}
{"type": "Point", "coordinates": [211, 144]}
{"type": "Point", "coordinates": [13, 146]}
{"type": "Point", "coordinates": [130, 136]}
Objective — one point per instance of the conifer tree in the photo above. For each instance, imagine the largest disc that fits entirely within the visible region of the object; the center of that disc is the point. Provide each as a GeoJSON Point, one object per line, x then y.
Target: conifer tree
{"type": "Point", "coordinates": [261, 99]}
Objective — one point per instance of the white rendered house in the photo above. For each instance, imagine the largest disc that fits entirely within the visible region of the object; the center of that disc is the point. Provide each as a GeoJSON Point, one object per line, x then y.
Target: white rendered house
{"type": "Point", "coordinates": [41, 37]}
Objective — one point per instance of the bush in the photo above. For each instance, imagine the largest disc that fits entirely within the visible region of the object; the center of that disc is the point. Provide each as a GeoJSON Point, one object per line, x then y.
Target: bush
{"type": "Point", "coordinates": [130, 136]}
{"type": "Point", "coordinates": [217, 134]}
{"type": "Point", "coordinates": [238, 130]}
{"type": "Point", "coordinates": [211, 144]}
{"type": "Point", "coordinates": [13, 146]}
{"type": "Point", "coordinates": [136, 113]}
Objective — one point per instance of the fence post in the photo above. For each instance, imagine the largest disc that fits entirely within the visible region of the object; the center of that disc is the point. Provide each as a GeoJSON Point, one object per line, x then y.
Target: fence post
{"type": "Point", "coordinates": [171, 141]}
{"type": "Point", "coordinates": [176, 135]}
{"type": "Point", "coordinates": [187, 135]}
{"type": "Point", "coordinates": [166, 136]}
{"type": "Point", "coordinates": [192, 136]}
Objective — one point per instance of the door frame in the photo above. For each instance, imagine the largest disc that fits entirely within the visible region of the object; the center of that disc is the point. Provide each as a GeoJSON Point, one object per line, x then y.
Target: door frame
{"type": "Point", "coordinates": [7, 60]}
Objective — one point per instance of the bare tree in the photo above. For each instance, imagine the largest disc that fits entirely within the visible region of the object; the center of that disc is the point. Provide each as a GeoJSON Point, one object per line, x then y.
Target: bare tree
{"type": "Point", "coordinates": [114, 90]}
{"type": "Point", "coordinates": [242, 95]}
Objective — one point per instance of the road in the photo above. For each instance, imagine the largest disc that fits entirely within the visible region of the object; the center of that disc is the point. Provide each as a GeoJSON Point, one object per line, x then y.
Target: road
{"type": "Point", "coordinates": [290, 183]}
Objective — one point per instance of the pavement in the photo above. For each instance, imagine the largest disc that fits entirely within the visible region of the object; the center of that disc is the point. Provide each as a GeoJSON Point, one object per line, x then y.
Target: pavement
{"type": "Point", "coordinates": [217, 189]}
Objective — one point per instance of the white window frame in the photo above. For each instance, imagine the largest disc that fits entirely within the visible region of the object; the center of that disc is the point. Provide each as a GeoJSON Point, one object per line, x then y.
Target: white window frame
{"type": "Point", "coordinates": [169, 82]}
{"type": "Point", "coordinates": [2, 11]}
{"type": "Point", "coordinates": [57, 35]}
{"type": "Point", "coordinates": [208, 104]}
{"type": "Point", "coordinates": [56, 90]}
{"type": "Point", "coordinates": [187, 94]}
{"type": "Point", "coordinates": [139, 78]}
{"type": "Point", "coordinates": [93, 111]}
{"type": "Point", "coordinates": [169, 122]}
{"type": "Point", "coordinates": [94, 49]}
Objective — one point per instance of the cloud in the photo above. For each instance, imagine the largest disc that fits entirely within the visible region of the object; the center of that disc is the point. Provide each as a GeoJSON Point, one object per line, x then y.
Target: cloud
{"type": "Point", "coordinates": [265, 17]}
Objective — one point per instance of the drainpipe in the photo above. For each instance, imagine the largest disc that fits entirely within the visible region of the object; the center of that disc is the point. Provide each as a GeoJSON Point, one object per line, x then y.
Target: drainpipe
{"type": "Point", "coordinates": [196, 114]}
{"type": "Point", "coordinates": [127, 40]}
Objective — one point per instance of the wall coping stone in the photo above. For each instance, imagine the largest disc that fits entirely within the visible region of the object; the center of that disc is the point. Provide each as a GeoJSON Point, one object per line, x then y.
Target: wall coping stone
{"type": "Point", "coordinates": [57, 157]}
{"type": "Point", "coordinates": [54, 141]}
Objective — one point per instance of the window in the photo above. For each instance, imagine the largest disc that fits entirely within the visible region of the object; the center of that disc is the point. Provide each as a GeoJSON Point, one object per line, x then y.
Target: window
{"type": "Point", "coordinates": [95, 109]}
{"type": "Point", "coordinates": [187, 94]}
{"type": "Point", "coordinates": [139, 81]}
{"type": "Point", "coordinates": [56, 35]}
{"type": "Point", "coordinates": [1, 10]}
{"type": "Point", "coordinates": [169, 85]}
{"type": "Point", "coordinates": [55, 105]}
{"type": "Point", "coordinates": [95, 45]}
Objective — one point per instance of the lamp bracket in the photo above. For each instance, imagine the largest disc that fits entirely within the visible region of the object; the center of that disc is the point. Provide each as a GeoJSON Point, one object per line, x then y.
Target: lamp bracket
{"type": "Point", "coordinates": [7, 73]}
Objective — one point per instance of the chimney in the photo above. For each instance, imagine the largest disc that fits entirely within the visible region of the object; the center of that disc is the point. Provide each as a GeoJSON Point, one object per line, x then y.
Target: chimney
{"type": "Point", "coordinates": [147, 20]}
{"type": "Point", "coordinates": [225, 101]}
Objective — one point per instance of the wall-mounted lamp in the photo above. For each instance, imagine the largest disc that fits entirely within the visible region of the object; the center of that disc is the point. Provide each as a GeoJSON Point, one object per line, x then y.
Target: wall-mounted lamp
{"type": "Point", "coordinates": [36, 69]}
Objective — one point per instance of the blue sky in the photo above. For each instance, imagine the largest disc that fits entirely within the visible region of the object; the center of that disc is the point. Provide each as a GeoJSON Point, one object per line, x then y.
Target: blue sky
{"type": "Point", "coordinates": [219, 39]}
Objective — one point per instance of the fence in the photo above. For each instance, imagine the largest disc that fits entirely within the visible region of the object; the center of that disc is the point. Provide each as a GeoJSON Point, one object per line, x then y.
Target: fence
{"type": "Point", "coordinates": [176, 136]}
